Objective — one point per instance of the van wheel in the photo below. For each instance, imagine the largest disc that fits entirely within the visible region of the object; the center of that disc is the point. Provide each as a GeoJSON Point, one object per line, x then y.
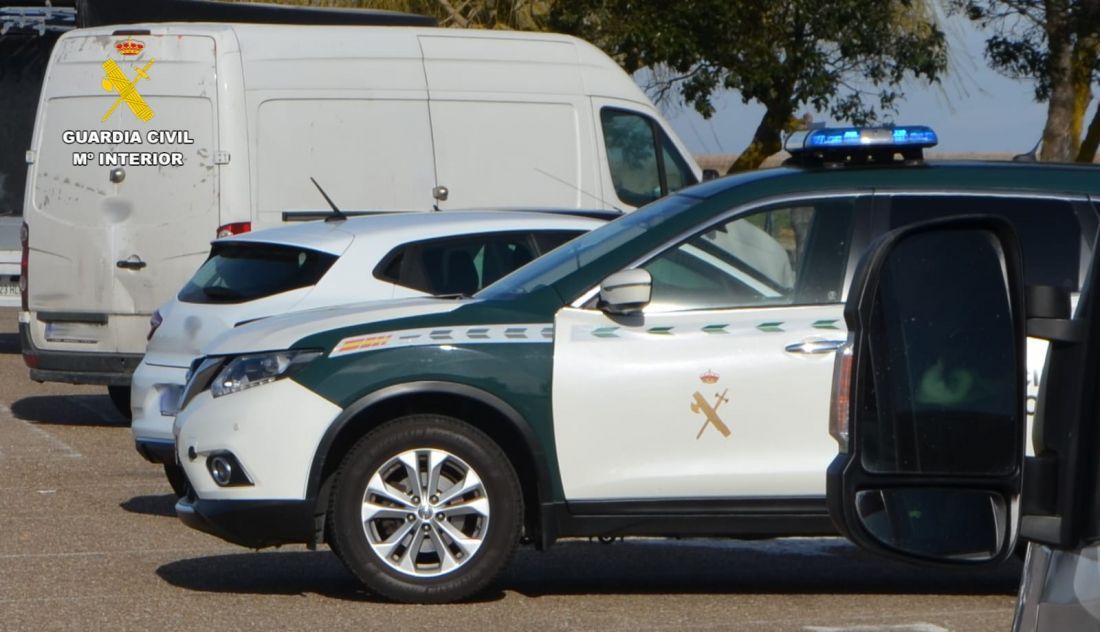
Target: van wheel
{"type": "Point", "coordinates": [120, 397]}
{"type": "Point", "coordinates": [426, 509]}
{"type": "Point", "coordinates": [177, 479]}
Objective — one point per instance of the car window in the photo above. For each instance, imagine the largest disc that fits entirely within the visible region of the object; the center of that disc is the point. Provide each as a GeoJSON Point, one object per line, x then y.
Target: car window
{"type": "Point", "coordinates": [239, 272]}
{"type": "Point", "coordinates": [783, 255]}
{"type": "Point", "coordinates": [1049, 231]}
{"type": "Point", "coordinates": [935, 374]}
{"type": "Point", "coordinates": [463, 265]}
{"type": "Point", "coordinates": [583, 250]}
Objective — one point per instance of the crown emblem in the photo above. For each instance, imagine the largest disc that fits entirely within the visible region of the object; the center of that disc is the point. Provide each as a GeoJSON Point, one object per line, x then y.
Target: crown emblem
{"type": "Point", "coordinates": [710, 377]}
{"type": "Point", "coordinates": [129, 47]}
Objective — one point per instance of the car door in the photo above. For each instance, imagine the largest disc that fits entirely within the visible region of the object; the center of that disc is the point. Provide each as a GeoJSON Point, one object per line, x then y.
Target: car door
{"type": "Point", "coordinates": [720, 387]}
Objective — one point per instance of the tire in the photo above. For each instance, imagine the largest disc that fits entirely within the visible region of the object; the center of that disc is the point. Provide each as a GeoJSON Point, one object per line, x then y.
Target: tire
{"type": "Point", "coordinates": [177, 479]}
{"type": "Point", "coordinates": [396, 550]}
{"type": "Point", "coordinates": [120, 397]}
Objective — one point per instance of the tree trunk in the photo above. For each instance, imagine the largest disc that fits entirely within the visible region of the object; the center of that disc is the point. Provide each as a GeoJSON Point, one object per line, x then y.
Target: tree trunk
{"type": "Point", "coordinates": [1087, 153]}
{"type": "Point", "coordinates": [767, 140]}
{"type": "Point", "coordinates": [1059, 143]}
{"type": "Point", "coordinates": [1085, 61]}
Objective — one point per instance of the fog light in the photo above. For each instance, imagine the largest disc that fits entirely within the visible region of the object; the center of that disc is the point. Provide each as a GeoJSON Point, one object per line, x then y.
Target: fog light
{"type": "Point", "coordinates": [222, 470]}
{"type": "Point", "coordinates": [226, 470]}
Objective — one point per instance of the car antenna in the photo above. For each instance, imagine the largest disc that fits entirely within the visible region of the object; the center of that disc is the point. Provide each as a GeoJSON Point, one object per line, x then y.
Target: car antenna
{"type": "Point", "coordinates": [337, 214]}
{"type": "Point", "coordinates": [582, 191]}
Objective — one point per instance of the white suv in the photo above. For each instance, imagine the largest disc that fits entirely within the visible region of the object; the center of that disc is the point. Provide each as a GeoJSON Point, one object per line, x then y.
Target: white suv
{"type": "Point", "coordinates": [319, 264]}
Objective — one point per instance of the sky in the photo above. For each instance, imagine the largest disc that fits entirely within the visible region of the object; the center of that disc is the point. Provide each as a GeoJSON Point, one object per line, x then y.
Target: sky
{"type": "Point", "coordinates": [975, 109]}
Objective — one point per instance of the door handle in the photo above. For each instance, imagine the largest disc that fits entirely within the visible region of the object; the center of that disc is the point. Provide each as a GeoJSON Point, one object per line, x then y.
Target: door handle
{"type": "Point", "coordinates": [814, 345]}
{"type": "Point", "coordinates": [133, 262]}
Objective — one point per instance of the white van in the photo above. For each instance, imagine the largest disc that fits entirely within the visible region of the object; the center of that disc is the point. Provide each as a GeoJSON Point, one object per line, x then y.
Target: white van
{"type": "Point", "coordinates": [150, 140]}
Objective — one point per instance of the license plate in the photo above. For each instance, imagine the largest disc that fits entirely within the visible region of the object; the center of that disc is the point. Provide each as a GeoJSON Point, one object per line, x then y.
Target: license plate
{"type": "Point", "coordinates": [74, 332]}
{"type": "Point", "coordinates": [9, 289]}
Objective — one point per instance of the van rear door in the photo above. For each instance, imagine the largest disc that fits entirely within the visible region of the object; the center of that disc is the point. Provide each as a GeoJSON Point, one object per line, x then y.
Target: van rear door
{"type": "Point", "coordinates": [124, 184]}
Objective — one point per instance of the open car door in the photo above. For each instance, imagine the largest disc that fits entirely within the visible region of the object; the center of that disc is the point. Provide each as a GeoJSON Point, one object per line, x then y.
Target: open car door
{"type": "Point", "coordinates": [928, 403]}
{"type": "Point", "coordinates": [928, 412]}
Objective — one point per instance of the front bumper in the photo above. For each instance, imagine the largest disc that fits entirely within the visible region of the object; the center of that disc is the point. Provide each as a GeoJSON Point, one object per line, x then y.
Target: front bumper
{"type": "Point", "coordinates": [273, 431]}
{"type": "Point", "coordinates": [252, 523]}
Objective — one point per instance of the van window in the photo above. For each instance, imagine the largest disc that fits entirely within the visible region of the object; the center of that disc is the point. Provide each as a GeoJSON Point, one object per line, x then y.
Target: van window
{"type": "Point", "coordinates": [240, 272]}
{"type": "Point", "coordinates": [1049, 231]}
{"type": "Point", "coordinates": [639, 173]}
{"type": "Point", "coordinates": [677, 173]}
{"type": "Point", "coordinates": [462, 265]}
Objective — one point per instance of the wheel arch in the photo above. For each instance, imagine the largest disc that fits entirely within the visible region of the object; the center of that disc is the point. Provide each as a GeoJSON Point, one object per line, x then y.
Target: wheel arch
{"type": "Point", "coordinates": [478, 408]}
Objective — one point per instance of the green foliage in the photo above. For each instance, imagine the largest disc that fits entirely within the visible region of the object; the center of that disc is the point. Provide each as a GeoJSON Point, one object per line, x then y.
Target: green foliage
{"type": "Point", "coordinates": [1022, 29]}
{"type": "Point", "coordinates": [846, 58]}
{"type": "Point", "coordinates": [1055, 44]}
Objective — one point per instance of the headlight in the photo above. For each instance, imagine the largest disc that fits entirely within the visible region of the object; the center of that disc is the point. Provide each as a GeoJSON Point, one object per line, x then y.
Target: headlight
{"type": "Point", "coordinates": [244, 372]}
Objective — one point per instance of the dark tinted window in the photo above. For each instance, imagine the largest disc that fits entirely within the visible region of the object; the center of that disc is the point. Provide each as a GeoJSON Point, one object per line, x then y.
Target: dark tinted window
{"type": "Point", "coordinates": [241, 272]}
{"type": "Point", "coordinates": [464, 265]}
{"type": "Point", "coordinates": [942, 358]}
{"type": "Point", "coordinates": [1049, 231]}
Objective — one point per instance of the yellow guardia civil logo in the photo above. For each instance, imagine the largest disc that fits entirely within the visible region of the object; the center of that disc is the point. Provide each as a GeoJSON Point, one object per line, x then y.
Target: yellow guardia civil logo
{"type": "Point", "coordinates": [117, 81]}
{"type": "Point", "coordinates": [700, 405]}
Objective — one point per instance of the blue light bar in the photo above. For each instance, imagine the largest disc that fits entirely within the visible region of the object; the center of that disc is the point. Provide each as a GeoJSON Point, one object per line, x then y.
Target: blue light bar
{"type": "Point", "coordinates": [871, 138]}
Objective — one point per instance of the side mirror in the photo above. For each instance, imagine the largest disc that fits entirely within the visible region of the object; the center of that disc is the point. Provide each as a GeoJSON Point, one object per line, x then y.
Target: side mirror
{"type": "Point", "coordinates": [626, 292]}
{"type": "Point", "coordinates": [928, 401]}
{"type": "Point", "coordinates": [711, 174]}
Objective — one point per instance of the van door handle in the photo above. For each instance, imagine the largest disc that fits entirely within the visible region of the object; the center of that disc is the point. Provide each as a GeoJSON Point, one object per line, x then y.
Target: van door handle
{"type": "Point", "coordinates": [133, 262]}
{"type": "Point", "coordinates": [814, 345]}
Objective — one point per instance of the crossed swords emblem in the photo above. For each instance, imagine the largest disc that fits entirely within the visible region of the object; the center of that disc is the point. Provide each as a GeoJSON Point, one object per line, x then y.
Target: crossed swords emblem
{"type": "Point", "coordinates": [701, 405]}
{"type": "Point", "coordinates": [117, 81]}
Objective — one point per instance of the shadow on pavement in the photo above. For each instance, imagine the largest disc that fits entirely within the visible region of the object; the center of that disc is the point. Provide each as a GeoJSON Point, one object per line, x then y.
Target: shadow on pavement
{"type": "Point", "coordinates": [784, 566]}
{"type": "Point", "coordinates": [164, 505]}
{"type": "Point", "coordinates": [69, 410]}
{"type": "Point", "coordinates": [9, 344]}
{"type": "Point", "coordinates": [275, 573]}
{"type": "Point", "coordinates": [796, 566]}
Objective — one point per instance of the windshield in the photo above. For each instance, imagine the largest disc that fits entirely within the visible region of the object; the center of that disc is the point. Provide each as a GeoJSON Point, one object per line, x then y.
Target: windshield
{"type": "Point", "coordinates": [240, 272]}
{"type": "Point", "coordinates": [563, 261]}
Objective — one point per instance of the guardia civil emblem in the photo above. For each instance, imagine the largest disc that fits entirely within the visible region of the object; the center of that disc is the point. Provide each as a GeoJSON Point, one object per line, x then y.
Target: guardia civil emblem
{"type": "Point", "coordinates": [709, 407]}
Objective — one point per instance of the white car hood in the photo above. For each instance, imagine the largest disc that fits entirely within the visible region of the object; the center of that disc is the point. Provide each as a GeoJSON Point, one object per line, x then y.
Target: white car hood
{"type": "Point", "coordinates": [280, 332]}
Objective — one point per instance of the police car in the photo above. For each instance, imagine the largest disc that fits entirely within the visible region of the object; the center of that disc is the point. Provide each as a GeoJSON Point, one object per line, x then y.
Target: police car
{"type": "Point", "coordinates": [666, 374]}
